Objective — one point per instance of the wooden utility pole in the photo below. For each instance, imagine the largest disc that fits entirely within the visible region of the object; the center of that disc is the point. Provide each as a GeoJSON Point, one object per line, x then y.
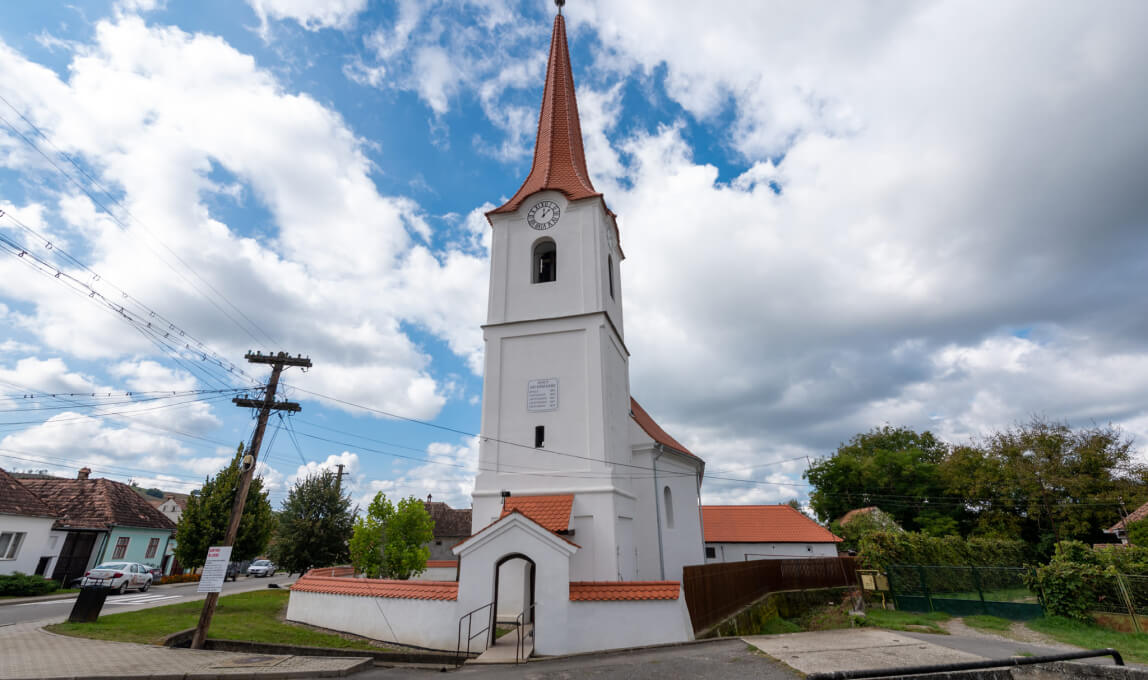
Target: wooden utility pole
{"type": "Point", "coordinates": [339, 480]}
{"type": "Point", "coordinates": [265, 405]}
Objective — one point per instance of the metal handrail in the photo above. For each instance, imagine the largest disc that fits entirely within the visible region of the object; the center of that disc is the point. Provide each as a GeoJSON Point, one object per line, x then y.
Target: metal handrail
{"type": "Point", "coordinates": [520, 621]}
{"type": "Point", "coordinates": [469, 617]}
{"type": "Point", "coordinates": [967, 665]}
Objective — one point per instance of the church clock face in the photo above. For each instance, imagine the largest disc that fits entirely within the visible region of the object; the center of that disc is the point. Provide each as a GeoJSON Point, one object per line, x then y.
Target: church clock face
{"type": "Point", "coordinates": [543, 215]}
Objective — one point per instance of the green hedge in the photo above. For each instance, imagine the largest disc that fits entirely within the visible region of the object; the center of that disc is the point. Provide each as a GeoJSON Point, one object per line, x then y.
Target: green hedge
{"type": "Point", "coordinates": [882, 549]}
{"type": "Point", "coordinates": [26, 584]}
{"type": "Point", "coordinates": [1068, 589]}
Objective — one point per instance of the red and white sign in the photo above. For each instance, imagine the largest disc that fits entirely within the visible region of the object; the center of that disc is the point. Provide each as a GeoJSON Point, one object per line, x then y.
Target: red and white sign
{"type": "Point", "coordinates": [214, 569]}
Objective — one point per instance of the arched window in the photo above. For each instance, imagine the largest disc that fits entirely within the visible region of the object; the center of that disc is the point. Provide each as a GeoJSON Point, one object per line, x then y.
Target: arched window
{"type": "Point", "coordinates": [610, 274]}
{"type": "Point", "coordinates": [669, 507]}
{"type": "Point", "coordinates": [545, 266]}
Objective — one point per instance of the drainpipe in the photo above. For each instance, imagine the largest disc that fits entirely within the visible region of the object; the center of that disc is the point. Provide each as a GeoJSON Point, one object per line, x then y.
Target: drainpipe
{"type": "Point", "coordinates": [658, 515]}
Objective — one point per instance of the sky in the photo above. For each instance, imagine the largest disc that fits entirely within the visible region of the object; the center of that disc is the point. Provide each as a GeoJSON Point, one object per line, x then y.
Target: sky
{"type": "Point", "coordinates": [835, 217]}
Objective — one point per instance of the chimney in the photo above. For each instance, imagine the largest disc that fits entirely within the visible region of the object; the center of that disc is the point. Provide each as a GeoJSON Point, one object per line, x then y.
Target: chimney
{"type": "Point", "coordinates": [84, 473]}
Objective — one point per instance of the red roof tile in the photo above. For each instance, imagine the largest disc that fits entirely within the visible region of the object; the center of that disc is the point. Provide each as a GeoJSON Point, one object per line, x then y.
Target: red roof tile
{"type": "Point", "coordinates": [655, 431]}
{"type": "Point", "coordinates": [854, 514]}
{"type": "Point", "coordinates": [585, 591]}
{"type": "Point", "coordinates": [97, 504]}
{"type": "Point", "coordinates": [375, 587]}
{"type": "Point", "coordinates": [761, 524]}
{"type": "Point", "coordinates": [15, 499]}
{"type": "Point", "coordinates": [441, 564]}
{"type": "Point", "coordinates": [559, 161]}
{"type": "Point", "coordinates": [1134, 516]}
{"type": "Point", "coordinates": [552, 512]}
{"type": "Point", "coordinates": [448, 522]}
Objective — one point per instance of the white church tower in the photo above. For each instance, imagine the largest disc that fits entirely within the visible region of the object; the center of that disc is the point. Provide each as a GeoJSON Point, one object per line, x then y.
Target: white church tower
{"type": "Point", "coordinates": [562, 441]}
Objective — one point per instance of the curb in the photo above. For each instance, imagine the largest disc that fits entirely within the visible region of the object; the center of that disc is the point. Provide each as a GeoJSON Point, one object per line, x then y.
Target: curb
{"type": "Point", "coordinates": [625, 650]}
{"type": "Point", "coordinates": [37, 598]}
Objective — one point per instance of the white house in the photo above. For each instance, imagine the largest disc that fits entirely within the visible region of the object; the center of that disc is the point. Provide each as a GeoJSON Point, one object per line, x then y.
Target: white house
{"type": "Point", "coordinates": [736, 533]}
{"type": "Point", "coordinates": [584, 510]}
{"type": "Point", "coordinates": [28, 544]}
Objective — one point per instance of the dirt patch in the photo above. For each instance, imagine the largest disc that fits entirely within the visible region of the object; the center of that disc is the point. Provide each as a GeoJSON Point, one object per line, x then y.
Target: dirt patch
{"type": "Point", "coordinates": [1018, 632]}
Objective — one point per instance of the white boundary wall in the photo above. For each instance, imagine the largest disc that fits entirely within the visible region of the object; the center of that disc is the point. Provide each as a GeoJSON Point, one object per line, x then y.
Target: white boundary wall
{"type": "Point", "coordinates": [602, 625]}
{"type": "Point", "coordinates": [432, 624]}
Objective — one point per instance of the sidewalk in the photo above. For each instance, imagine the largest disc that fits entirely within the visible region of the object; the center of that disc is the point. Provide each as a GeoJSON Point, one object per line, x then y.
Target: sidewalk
{"type": "Point", "coordinates": [30, 652]}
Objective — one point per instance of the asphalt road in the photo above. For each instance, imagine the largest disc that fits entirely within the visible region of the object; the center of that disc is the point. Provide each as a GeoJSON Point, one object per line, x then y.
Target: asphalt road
{"type": "Point", "coordinates": [53, 611]}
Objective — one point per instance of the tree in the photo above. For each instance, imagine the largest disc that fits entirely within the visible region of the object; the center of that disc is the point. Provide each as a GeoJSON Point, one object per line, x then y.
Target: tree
{"type": "Point", "coordinates": [895, 469]}
{"type": "Point", "coordinates": [204, 520]}
{"type": "Point", "coordinates": [314, 525]}
{"type": "Point", "coordinates": [861, 524]}
{"type": "Point", "coordinates": [1138, 533]}
{"type": "Point", "coordinates": [390, 541]}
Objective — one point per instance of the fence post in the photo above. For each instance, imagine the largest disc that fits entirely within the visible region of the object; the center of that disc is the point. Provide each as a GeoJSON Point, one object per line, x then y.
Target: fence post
{"type": "Point", "coordinates": [1127, 601]}
{"type": "Point", "coordinates": [980, 591]}
{"type": "Point", "coordinates": [925, 586]}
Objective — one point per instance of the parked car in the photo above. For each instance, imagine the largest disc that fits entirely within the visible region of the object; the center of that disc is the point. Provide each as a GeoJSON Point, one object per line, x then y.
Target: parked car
{"type": "Point", "coordinates": [261, 568]}
{"type": "Point", "coordinates": [119, 576]}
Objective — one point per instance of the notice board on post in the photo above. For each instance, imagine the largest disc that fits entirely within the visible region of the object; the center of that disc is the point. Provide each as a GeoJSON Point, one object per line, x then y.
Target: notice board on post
{"type": "Point", "coordinates": [214, 569]}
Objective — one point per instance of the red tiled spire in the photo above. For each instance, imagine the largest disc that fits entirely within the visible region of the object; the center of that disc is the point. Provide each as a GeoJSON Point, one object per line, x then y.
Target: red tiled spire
{"type": "Point", "coordinates": [559, 161]}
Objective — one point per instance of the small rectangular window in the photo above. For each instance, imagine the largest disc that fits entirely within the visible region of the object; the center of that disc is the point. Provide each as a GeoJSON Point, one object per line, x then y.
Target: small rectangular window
{"type": "Point", "coordinates": [10, 542]}
{"type": "Point", "coordinates": [121, 548]}
{"type": "Point", "coordinates": [152, 546]}
{"type": "Point", "coordinates": [539, 436]}
{"type": "Point", "coordinates": [711, 552]}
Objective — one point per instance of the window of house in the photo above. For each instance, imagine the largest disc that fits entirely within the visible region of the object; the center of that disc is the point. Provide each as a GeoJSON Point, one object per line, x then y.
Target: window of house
{"type": "Point", "coordinates": [669, 507]}
{"type": "Point", "coordinates": [121, 548]}
{"type": "Point", "coordinates": [539, 436]}
{"type": "Point", "coordinates": [545, 262]}
{"type": "Point", "coordinates": [610, 274]}
{"type": "Point", "coordinates": [711, 552]}
{"type": "Point", "coordinates": [152, 546]}
{"type": "Point", "coordinates": [10, 542]}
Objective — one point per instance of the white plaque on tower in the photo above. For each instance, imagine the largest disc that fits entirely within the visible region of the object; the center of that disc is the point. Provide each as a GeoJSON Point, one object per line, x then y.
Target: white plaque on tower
{"type": "Point", "coordinates": [542, 395]}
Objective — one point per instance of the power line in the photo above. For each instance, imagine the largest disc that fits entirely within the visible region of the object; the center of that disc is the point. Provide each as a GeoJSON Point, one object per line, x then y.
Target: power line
{"type": "Point", "coordinates": [123, 226]}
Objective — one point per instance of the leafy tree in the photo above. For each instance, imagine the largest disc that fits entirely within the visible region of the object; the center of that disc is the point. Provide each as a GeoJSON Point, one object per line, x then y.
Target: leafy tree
{"type": "Point", "coordinates": [1138, 533]}
{"type": "Point", "coordinates": [204, 520]}
{"type": "Point", "coordinates": [861, 525]}
{"type": "Point", "coordinates": [895, 469]}
{"type": "Point", "coordinates": [314, 525]}
{"type": "Point", "coordinates": [1045, 482]}
{"type": "Point", "coordinates": [390, 541]}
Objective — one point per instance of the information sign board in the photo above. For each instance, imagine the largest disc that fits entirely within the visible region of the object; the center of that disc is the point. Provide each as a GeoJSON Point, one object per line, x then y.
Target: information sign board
{"type": "Point", "coordinates": [214, 569]}
{"type": "Point", "coordinates": [542, 395]}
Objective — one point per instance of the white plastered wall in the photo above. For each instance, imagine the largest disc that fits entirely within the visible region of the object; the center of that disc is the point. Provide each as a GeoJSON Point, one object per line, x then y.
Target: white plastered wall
{"type": "Point", "coordinates": [680, 544]}
{"type": "Point", "coordinates": [432, 624]}
{"type": "Point", "coordinates": [594, 626]}
{"type": "Point", "coordinates": [740, 552]}
{"type": "Point", "coordinates": [34, 545]}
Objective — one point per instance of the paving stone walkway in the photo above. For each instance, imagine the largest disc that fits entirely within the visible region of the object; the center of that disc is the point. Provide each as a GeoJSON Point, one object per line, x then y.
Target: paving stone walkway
{"type": "Point", "coordinates": [31, 652]}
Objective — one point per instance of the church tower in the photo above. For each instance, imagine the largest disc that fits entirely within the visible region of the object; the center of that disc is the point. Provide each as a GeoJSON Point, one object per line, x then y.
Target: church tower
{"type": "Point", "coordinates": [556, 393]}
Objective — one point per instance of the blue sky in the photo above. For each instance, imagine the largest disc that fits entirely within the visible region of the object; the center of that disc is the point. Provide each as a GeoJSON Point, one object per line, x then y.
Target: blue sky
{"type": "Point", "coordinates": [906, 213]}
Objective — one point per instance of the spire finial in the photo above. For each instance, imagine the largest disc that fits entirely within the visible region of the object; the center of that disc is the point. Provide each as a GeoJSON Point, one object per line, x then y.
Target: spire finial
{"type": "Point", "coordinates": [560, 3]}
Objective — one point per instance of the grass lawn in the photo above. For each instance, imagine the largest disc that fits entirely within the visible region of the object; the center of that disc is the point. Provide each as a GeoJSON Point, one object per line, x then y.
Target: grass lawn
{"type": "Point", "coordinates": [1133, 646]}
{"type": "Point", "coordinates": [256, 616]}
{"type": "Point", "coordinates": [992, 624]}
{"type": "Point", "coordinates": [914, 622]}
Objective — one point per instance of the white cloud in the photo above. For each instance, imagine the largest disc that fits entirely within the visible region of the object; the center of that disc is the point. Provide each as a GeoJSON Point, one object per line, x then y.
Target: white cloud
{"type": "Point", "coordinates": [312, 15]}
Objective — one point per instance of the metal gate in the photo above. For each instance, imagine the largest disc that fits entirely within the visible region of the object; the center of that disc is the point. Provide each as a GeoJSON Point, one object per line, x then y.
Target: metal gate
{"type": "Point", "coordinates": [964, 591]}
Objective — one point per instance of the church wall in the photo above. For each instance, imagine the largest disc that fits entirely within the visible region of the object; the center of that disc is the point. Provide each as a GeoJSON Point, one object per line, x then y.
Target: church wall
{"type": "Point", "coordinates": [681, 545]}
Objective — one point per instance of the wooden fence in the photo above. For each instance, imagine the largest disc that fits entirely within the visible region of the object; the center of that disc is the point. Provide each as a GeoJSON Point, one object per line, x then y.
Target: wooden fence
{"type": "Point", "coordinates": [717, 591]}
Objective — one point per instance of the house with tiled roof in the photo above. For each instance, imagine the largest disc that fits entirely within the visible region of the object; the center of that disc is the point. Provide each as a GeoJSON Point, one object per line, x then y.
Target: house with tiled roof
{"type": "Point", "coordinates": [736, 533]}
{"type": "Point", "coordinates": [171, 505]}
{"type": "Point", "coordinates": [583, 504]}
{"type": "Point", "coordinates": [102, 520]}
{"type": "Point", "coordinates": [27, 542]}
{"type": "Point", "coordinates": [451, 525]}
{"type": "Point", "coordinates": [1120, 529]}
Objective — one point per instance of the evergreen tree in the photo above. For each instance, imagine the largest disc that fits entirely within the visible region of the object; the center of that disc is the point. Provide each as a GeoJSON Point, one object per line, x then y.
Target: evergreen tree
{"type": "Point", "coordinates": [390, 541]}
{"type": "Point", "coordinates": [204, 520]}
{"type": "Point", "coordinates": [314, 525]}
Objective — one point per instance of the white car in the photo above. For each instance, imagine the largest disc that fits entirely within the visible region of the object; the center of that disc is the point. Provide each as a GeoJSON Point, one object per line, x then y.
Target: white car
{"type": "Point", "coordinates": [261, 568]}
{"type": "Point", "coordinates": [119, 576]}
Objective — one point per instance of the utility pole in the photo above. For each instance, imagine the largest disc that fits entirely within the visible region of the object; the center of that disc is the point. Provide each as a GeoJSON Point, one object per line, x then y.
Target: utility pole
{"type": "Point", "coordinates": [339, 480]}
{"type": "Point", "coordinates": [266, 405]}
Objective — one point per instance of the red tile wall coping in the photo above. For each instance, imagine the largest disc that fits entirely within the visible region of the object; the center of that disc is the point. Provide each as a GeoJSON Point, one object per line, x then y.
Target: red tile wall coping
{"type": "Point", "coordinates": [441, 564]}
{"type": "Point", "coordinates": [588, 591]}
{"type": "Point", "coordinates": [331, 571]}
{"type": "Point", "coordinates": [372, 587]}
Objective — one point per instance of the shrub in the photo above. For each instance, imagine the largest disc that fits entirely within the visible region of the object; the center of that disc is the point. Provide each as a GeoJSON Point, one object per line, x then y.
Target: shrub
{"type": "Point", "coordinates": [1075, 552]}
{"type": "Point", "coordinates": [178, 578]}
{"type": "Point", "coordinates": [1068, 589]}
{"type": "Point", "coordinates": [881, 549]}
{"type": "Point", "coordinates": [26, 584]}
